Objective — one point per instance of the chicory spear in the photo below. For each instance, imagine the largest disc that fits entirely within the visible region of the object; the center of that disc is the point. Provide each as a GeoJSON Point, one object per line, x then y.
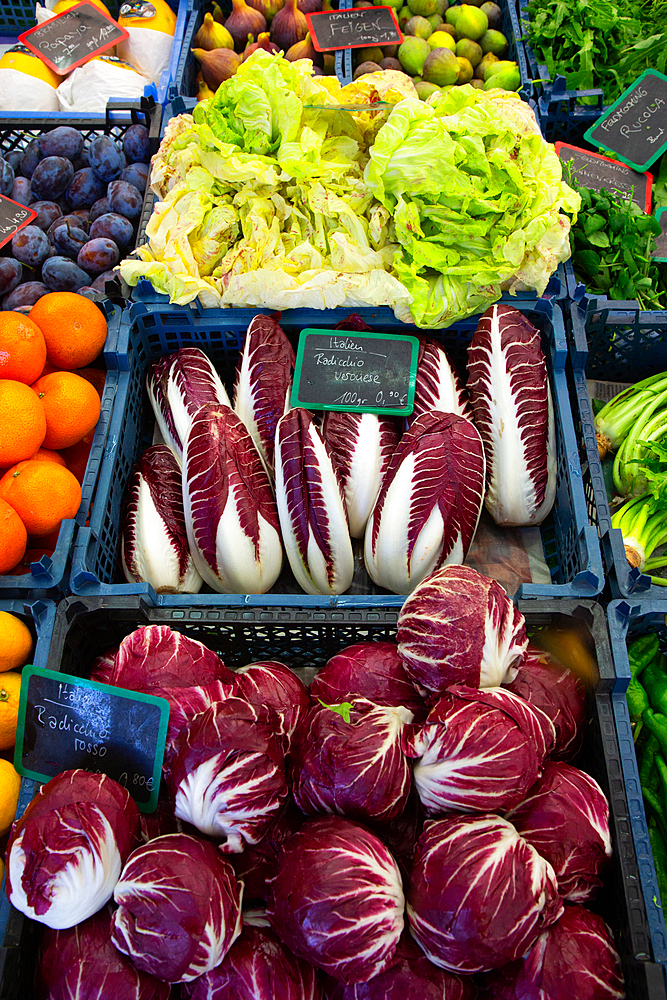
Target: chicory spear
{"type": "Point", "coordinates": [311, 507]}
{"type": "Point", "coordinates": [438, 386]}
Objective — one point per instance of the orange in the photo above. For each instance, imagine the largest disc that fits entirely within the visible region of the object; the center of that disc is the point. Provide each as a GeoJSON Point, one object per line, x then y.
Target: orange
{"type": "Point", "coordinates": [22, 348]}
{"type": "Point", "coordinates": [76, 457]}
{"type": "Point", "coordinates": [42, 494]}
{"type": "Point", "coordinates": [74, 328]}
{"type": "Point", "coordinates": [13, 538]}
{"type": "Point", "coordinates": [71, 405]}
{"type": "Point", "coordinates": [10, 786]}
{"type": "Point", "coordinates": [46, 455]}
{"type": "Point", "coordinates": [22, 421]}
{"type": "Point", "coordinates": [15, 642]}
{"type": "Point", "coordinates": [10, 688]}
{"type": "Point", "coordinates": [30, 556]}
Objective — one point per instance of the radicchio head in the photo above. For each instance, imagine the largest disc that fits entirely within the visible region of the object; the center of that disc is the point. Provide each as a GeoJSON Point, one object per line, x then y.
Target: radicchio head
{"type": "Point", "coordinates": [371, 670]}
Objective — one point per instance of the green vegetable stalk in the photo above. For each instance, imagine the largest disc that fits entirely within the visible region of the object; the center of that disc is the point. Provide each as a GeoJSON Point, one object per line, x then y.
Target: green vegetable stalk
{"type": "Point", "coordinates": [643, 523]}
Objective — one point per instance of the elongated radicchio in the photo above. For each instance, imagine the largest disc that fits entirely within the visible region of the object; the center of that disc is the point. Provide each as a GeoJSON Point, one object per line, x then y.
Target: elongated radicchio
{"type": "Point", "coordinates": [427, 510]}
{"type": "Point", "coordinates": [438, 386]}
{"type": "Point", "coordinates": [257, 967]}
{"type": "Point", "coordinates": [230, 512]}
{"type": "Point", "coordinates": [263, 382]}
{"type": "Point", "coordinates": [478, 751]}
{"type": "Point", "coordinates": [349, 760]}
{"type": "Point", "coordinates": [66, 852]}
{"type": "Point", "coordinates": [337, 899]}
{"type": "Point", "coordinates": [565, 816]}
{"type": "Point", "coordinates": [179, 908]}
{"type": "Point", "coordinates": [479, 894]}
{"type": "Point", "coordinates": [270, 683]}
{"type": "Point", "coordinates": [460, 627]}
{"type": "Point", "coordinates": [227, 772]}
{"type": "Point", "coordinates": [575, 957]}
{"type": "Point", "coordinates": [372, 670]}
{"type": "Point", "coordinates": [311, 507]}
{"type": "Point", "coordinates": [178, 384]}
{"type": "Point", "coordinates": [153, 538]}
{"type": "Point", "coordinates": [81, 961]}
{"type": "Point", "coordinates": [511, 398]}
{"type": "Point", "coordinates": [361, 445]}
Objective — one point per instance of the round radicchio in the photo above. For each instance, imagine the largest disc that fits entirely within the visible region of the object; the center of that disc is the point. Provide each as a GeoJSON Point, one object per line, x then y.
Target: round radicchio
{"type": "Point", "coordinates": [565, 817]}
{"type": "Point", "coordinates": [479, 750]}
{"type": "Point", "coordinates": [81, 961]}
{"type": "Point", "coordinates": [256, 865]}
{"type": "Point", "coordinates": [575, 957]}
{"type": "Point", "coordinates": [410, 977]}
{"type": "Point", "coordinates": [158, 656]}
{"type": "Point", "coordinates": [371, 670]}
{"type": "Point", "coordinates": [460, 627]}
{"type": "Point", "coordinates": [479, 894]}
{"type": "Point", "coordinates": [348, 759]}
{"type": "Point", "coordinates": [66, 852]}
{"type": "Point", "coordinates": [545, 684]}
{"type": "Point", "coordinates": [257, 967]}
{"type": "Point", "coordinates": [271, 683]}
{"type": "Point", "coordinates": [179, 908]}
{"type": "Point", "coordinates": [337, 899]}
{"type": "Point", "coordinates": [226, 772]}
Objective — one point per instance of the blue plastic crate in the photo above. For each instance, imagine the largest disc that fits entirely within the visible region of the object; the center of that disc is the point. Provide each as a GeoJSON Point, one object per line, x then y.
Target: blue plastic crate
{"type": "Point", "coordinates": [48, 576]}
{"type": "Point", "coordinates": [570, 543]}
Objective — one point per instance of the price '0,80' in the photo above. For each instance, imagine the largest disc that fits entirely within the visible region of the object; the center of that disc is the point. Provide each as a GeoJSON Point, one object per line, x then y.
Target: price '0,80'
{"type": "Point", "coordinates": [137, 779]}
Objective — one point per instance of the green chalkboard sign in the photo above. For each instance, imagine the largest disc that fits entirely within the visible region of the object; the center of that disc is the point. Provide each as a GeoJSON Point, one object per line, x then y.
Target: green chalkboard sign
{"type": "Point", "coordinates": [635, 126]}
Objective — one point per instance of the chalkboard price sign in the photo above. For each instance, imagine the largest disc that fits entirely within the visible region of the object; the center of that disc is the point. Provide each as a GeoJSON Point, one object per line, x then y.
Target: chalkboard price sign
{"type": "Point", "coordinates": [355, 372]}
{"type": "Point", "coordinates": [354, 29]}
{"type": "Point", "coordinates": [67, 722]}
{"type": "Point", "coordinates": [635, 126]}
{"type": "Point", "coordinates": [72, 38]}
{"type": "Point", "coordinates": [597, 172]}
{"type": "Point", "coordinates": [660, 252]}
{"type": "Point", "coordinates": [13, 217]}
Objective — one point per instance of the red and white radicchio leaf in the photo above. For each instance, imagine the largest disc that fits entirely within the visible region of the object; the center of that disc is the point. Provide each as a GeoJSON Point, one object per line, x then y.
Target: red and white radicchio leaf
{"type": "Point", "coordinates": [230, 512]}
{"type": "Point", "coordinates": [337, 899]}
{"type": "Point", "coordinates": [349, 760]}
{"type": "Point", "coordinates": [438, 386]}
{"type": "Point", "coordinates": [270, 683]}
{"type": "Point", "coordinates": [460, 627]}
{"type": "Point", "coordinates": [311, 507]}
{"type": "Point", "coordinates": [153, 539]}
{"type": "Point", "coordinates": [157, 656]}
{"type": "Point", "coordinates": [479, 750]}
{"type": "Point", "coordinates": [227, 772]}
{"type": "Point", "coordinates": [479, 895]}
{"type": "Point", "coordinates": [178, 384]}
{"type": "Point", "coordinates": [511, 398]}
{"type": "Point", "coordinates": [361, 445]}
{"type": "Point", "coordinates": [565, 816]}
{"type": "Point", "coordinates": [179, 908]}
{"type": "Point", "coordinates": [66, 852]}
{"type": "Point", "coordinates": [372, 670]}
{"type": "Point", "coordinates": [263, 382]}
{"type": "Point", "coordinates": [429, 504]}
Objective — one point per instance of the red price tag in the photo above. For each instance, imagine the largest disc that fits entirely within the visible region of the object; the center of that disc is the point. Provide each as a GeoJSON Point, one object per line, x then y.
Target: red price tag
{"type": "Point", "coordinates": [13, 217]}
{"type": "Point", "coordinates": [72, 38]}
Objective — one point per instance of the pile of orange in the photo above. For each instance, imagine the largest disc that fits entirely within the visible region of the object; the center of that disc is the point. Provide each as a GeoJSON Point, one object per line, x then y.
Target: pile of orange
{"type": "Point", "coordinates": [16, 646]}
{"type": "Point", "coordinates": [50, 396]}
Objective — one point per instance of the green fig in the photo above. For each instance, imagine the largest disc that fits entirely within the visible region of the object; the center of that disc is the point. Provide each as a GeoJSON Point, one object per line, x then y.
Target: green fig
{"type": "Point", "coordinates": [441, 40]}
{"type": "Point", "coordinates": [507, 78]}
{"type": "Point", "coordinates": [469, 50]}
{"type": "Point", "coordinates": [435, 20]}
{"type": "Point", "coordinates": [471, 22]}
{"type": "Point", "coordinates": [212, 35]}
{"type": "Point", "coordinates": [494, 41]}
{"type": "Point", "coordinates": [441, 67]}
{"type": "Point", "coordinates": [452, 14]}
{"type": "Point", "coordinates": [465, 70]}
{"type": "Point", "coordinates": [425, 89]}
{"type": "Point", "coordinates": [481, 68]}
{"type": "Point", "coordinates": [441, 6]}
{"type": "Point", "coordinates": [477, 84]}
{"type": "Point", "coordinates": [370, 54]}
{"type": "Point", "coordinates": [396, 4]}
{"type": "Point", "coordinates": [423, 7]}
{"type": "Point", "coordinates": [412, 55]}
{"type": "Point", "coordinates": [419, 27]}
{"type": "Point", "coordinates": [494, 14]}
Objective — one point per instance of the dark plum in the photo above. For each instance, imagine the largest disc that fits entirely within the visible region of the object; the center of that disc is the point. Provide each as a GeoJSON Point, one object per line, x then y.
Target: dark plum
{"type": "Point", "coordinates": [51, 178]}
{"type": "Point", "coordinates": [101, 207]}
{"type": "Point", "coordinates": [85, 189]}
{"type": "Point", "coordinates": [105, 158]}
{"type": "Point", "coordinates": [124, 199]}
{"type": "Point", "coordinates": [68, 240]}
{"type": "Point", "coordinates": [60, 274]}
{"type": "Point", "coordinates": [100, 281]}
{"type": "Point", "coordinates": [89, 292]}
{"type": "Point", "coordinates": [98, 255]}
{"type": "Point", "coordinates": [47, 213]}
{"type": "Point", "coordinates": [24, 296]}
{"type": "Point", "coordinates": [114, 227]}
{"type": "Point", "coordinates": [6, 177]}
{"type": "Point", "coordinates": [136, 144]}
{"type": "Point", "coordinates": [31, 157]}
{"type": "Point", "coordinates": [14, 157]}
{"type": "Point", "coordinates": [21, 191]}
{"type": "Point", "coordinates": [72, 219]}
{"type": "Point", "coordinates": [61, 141]}
{"type": "Point", "coordinates": [31, 245]}
{"type": "Point", "coordinates": [11, 272]}
{"type": "Point", "coordinates": [82, 213]}
{"type": "Point", "coordinates": [136, 174]}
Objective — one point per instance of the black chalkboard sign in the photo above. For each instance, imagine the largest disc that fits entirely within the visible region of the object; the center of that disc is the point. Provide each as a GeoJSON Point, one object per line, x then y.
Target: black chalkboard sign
{"type": "Point", "coordinates": [635, 126]}
{"type": "Point", "coordinates": [13, 217]}
{"type": "Point", "coordinates": [355, 372]}
{"type": "Point", "coordinates": [597, 172]}
{"type": "Point", "coordinates": [67, 722]}
{"type": "Point", "coordinates": [71, 39]}
{"type": "Point", "coordinates": [660, 252]}
{"type": "Point", "coordinates": [354, 29]}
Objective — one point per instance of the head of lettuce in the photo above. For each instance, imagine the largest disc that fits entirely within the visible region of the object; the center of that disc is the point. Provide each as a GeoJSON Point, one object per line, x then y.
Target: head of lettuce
{"type": "Point", "coordinates": [287, 190]}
